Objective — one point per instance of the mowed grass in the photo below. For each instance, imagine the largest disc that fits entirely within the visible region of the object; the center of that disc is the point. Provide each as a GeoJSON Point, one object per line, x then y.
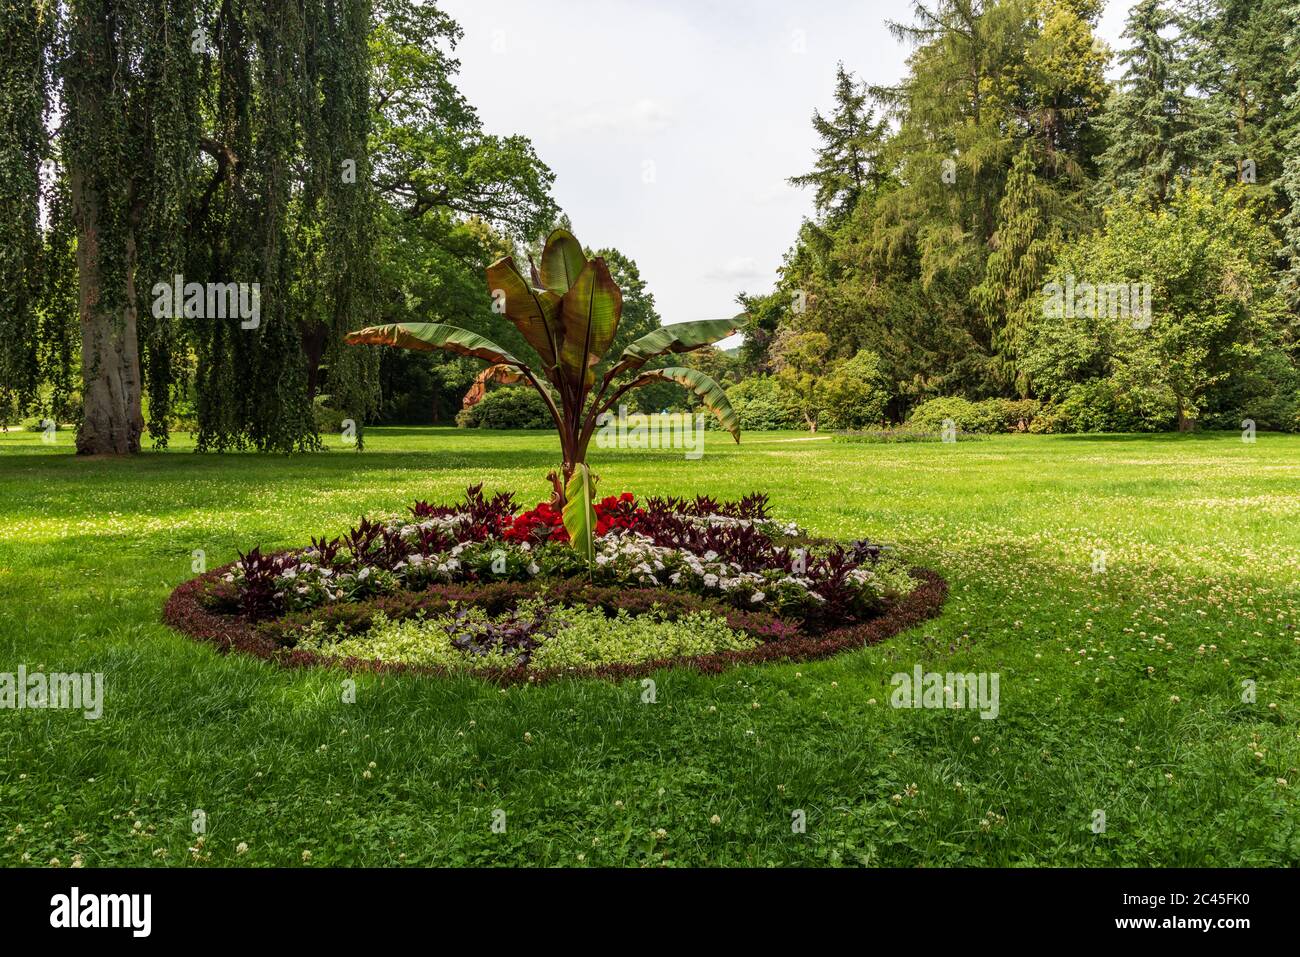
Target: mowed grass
{"type": "Point", "coordinates": [1120, 691]}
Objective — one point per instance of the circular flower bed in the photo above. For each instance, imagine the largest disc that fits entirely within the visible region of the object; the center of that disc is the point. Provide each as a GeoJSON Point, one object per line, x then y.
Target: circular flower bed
{"type": "Point", "coordinates": [482, 587]}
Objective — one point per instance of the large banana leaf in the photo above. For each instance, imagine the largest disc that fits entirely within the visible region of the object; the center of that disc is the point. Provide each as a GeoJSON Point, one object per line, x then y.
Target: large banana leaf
{"type": "Point", "coordinates": [535, 312]}
{"type": "Point", "coordinates": [679, 337]}
{"type": "Point", "coordinates": [710, 393]}
{"type": "Point", "coordinates": [562, 262]}
{"type": "Point", "coordinates": [590, 310]}
{"type": "Point", "coordinates": [506, 375]}
{"type": "Point", "coordinates": [579, 512]}
{"type": "Point", "coordinates": [431, 336]}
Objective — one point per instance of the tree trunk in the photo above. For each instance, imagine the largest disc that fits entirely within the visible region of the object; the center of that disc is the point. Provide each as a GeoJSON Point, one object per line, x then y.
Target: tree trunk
{"type": "Point", "coordinates": [313, 347]}
{"type": "Point", "coordinates": [112, 420]}
{"type": "Point", "coordinates": [1185, 423]}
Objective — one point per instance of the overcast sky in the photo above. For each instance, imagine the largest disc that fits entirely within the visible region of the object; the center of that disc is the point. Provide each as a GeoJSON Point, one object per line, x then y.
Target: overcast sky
{"type": "Point", "coordinates": [672, 125]}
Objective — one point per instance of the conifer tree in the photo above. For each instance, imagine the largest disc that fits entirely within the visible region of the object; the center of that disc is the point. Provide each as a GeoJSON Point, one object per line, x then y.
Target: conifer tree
{"type": "Point", "coordinates": [1152, 125]}
{"type": "Point", "coordinates": [849, 159]}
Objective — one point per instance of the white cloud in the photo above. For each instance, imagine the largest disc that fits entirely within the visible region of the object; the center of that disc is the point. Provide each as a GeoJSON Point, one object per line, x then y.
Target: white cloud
{"type": "Point", "coordinates": [738, 269]}
{"type": "Point", "coordinates": [642, 118]}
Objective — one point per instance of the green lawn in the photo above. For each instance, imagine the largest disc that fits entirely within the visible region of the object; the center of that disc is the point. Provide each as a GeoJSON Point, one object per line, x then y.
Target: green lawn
{"type": "Point", "coordinates": [1120, 691]}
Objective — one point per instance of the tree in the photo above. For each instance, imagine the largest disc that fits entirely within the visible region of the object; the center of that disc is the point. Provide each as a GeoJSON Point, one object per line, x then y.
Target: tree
{"type": "Point", "coordinates": [1239, 54]}
{"type": "Point", "coordinates": [24, 105]}
{"type": "Point", "coordinates": [1067, 87]}
{"type": "Point", "coordinates": [1031, 225]}
{"type": "Point", "coordinates": [1207, 329]}
{"type": "Point", "coordinates": [801, 359]}
{"type": "Point", "coordinates": [1154, 129]}
{"type": "Point", "coordinates": [201, 140]}
{"type": "Point", "coordinates": [849, 161]}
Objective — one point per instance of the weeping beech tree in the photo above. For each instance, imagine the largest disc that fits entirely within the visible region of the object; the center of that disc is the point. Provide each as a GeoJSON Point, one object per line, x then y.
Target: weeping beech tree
{"type": "Point", "coordinates": [222, 142]}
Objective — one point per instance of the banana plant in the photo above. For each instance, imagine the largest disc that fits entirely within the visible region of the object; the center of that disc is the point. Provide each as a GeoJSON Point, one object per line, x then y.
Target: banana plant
{"type": "Point", "coordinates": [568, 312]}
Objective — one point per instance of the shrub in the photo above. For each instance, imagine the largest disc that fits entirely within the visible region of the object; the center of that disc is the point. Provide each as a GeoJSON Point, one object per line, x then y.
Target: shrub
{"type": "Point", "coordinates": [1012, 415]}
{"type": "Point", "coordinates": [968, 416]}
{"type": "Point", "coordinates": [328, 420]}
{"type": "Point", "coordinates": [988, 416]}
{"type": "Point", "coordinates": [762, 407]}
{"type": "Point", "coordinates": [854, 395]}
{"type": "Point", "coordinates": [1099, 406]}
{"type": "Point", "coordinates": [507, 408]}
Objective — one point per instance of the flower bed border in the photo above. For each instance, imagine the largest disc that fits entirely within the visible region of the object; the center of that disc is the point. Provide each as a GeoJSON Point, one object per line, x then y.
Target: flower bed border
{"type": "Point", "coordinates": [185, 612]}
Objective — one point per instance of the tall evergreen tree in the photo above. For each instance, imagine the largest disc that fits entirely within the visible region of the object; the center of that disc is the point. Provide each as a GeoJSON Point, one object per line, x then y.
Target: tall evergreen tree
{"type": "Point", "coordinates": [1154, 130]}
{"type": "Point", "coordinates": [1290, 186]}
{"type": "Point", "coordinates": [1032, 222]}
{"type": "Point", "coordinates": [849, 160]}
{"type": "Point", "coordinates": [1239, 54]}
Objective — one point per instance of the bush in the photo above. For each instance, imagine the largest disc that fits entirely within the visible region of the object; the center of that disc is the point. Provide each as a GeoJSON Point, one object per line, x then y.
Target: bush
{"type": "Point", "coordinates": [1012, 415]}
{"type": "Point", "coordinates": [761, 406]}
{"type": "Point", "coordinates": [854, 395]}
{"type": "Point", "coordinates": [512, 407]}
{"type": "Point", "coordinates": [988, 416]}
{"type": "Point", "coordinates": [328, 421]}
{"type": "Point", "coordinates": [1099, 406]}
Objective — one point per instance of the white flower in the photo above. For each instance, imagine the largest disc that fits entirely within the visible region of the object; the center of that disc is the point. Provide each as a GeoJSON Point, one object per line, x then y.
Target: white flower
{"type": "Point", "coordinates": [757, 597]}
{"type": "Point", "coordinates": [363, 574]}
{"type": "Point", "coordinates": [710, 581]}
{"type": "Point", "coordinates": [533, 569]}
